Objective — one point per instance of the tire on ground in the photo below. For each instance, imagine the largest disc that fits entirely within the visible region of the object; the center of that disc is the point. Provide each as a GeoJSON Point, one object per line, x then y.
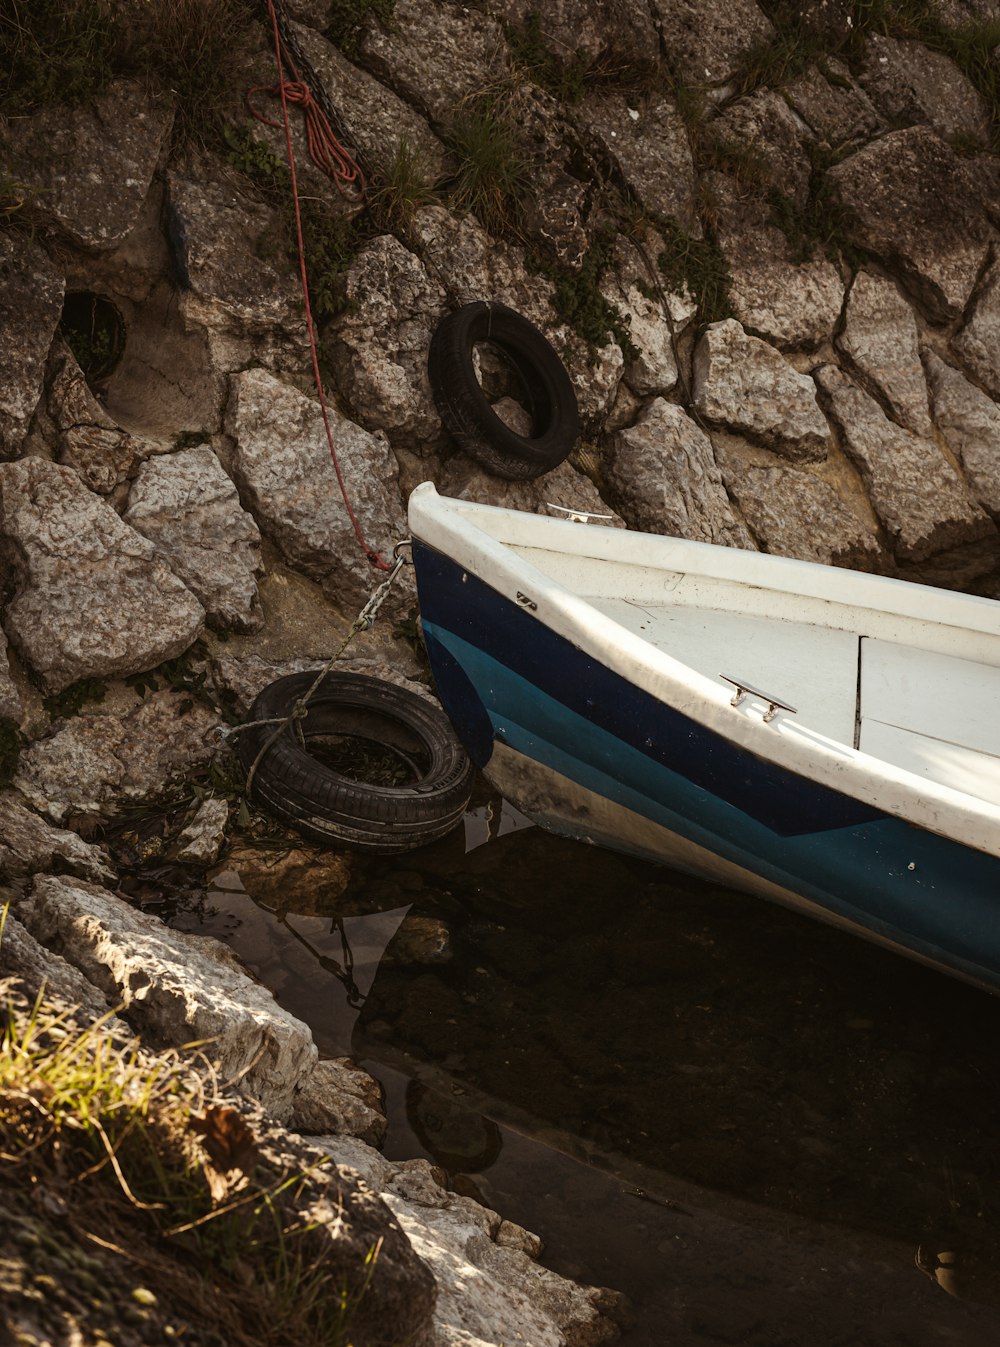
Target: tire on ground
{"type": "Point", "coordinates": [465, 412]}
{"type": "Point", "coordinates": [293, 783]}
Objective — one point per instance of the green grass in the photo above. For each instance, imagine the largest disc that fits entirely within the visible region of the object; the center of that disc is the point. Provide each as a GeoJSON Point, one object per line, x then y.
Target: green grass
{"type": "Point", "coordinates": [698, 266]}
{"type": "Point", "coordinates": [396, 194]}
{"type": "Point", "coordinates": [69, 51]}
{"type": "Point", "coordinates": [493, 174]}
{"type": "Point", "coordinates": [147, 1158]}
{"type": "Point", "coordinates": [578, 301]}
{"type": "Point", "coordinates": [55, 51]}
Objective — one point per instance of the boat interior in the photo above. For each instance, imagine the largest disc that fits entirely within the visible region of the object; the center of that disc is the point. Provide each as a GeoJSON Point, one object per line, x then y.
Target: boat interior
{"type": "Point", "coordinates": [907, 673]}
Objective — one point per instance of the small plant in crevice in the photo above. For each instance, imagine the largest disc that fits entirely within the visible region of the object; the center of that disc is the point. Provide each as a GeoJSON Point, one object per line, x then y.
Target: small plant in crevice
{"type": "Point", "coordinates": [55, 51]}
{"type": "Point", "coordinates": [565, 81]}
{"type": "Point", "coordinates": [823, 223]}
{"type": "Point", "coordinates": [349, 19]}
{"type": "Point", "coordinates": [578, 301]}
{"type": "Point", "coordinates": [10, 749]}
{"type": "Point", "coordinates": [493, 174]}
{"type": "Point", "coordinates": [395, 195]}
{"type": "Point", "coordinates": [779, 60]}
{"type": "Point", "coordinates": [72, 700]}
{"type": "Point", "coordinates": [698, 266]}
{"type": "Point", "coordinates": [330, 241]}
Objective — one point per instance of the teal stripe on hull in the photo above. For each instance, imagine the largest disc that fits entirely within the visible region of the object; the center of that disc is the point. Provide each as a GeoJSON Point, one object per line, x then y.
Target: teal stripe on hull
{"type": "Point", "coordinates": [912, 887]}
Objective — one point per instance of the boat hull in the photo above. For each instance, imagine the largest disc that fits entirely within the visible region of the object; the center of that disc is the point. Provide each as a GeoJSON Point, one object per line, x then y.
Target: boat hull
{"type": "Point", "coordinates": [586, 754]}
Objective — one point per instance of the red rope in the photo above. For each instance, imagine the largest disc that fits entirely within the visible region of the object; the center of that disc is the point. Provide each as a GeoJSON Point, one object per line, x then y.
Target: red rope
{"type": "Point", "coordinates": [325, 150]}
{"type": "Point", "coordinates": [285, 92]}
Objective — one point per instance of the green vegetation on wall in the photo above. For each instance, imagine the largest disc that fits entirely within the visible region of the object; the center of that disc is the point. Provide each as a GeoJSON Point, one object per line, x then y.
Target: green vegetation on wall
{"type": "Point", "coordinates": [69, 51]}
{"type": "Point", "coordinates": [349, 18]}
{"type": "Point", "coordinates": [494, 174]}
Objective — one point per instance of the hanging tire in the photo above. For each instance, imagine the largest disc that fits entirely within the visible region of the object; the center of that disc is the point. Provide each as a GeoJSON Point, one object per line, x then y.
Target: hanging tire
{"type": "Point", "coordinates": [467, 415]}
{"type": "Point", "coordinates": [306, 778]}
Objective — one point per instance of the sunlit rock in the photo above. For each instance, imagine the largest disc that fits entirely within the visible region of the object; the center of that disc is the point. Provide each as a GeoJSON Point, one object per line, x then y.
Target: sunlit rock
{"type": "Point", "coordinates": [880, 338]}
{"type": "Point", "coordinates": [93, 598]}
{"type": "Point", "coordinates": [743, 384]}
{"type": "Point", "coordinates": [917, 206]}
{"type": "Point", "coordinates": [189, 508]}
{"type": "Point", "coordinates": [920, 500]}
{"type": "Point", "coordinates": [174, 988]}
{"type": "Point", "coordinates": [663, 478]}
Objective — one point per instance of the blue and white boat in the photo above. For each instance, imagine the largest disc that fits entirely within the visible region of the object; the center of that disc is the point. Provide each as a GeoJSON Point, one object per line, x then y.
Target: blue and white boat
{"type": "Point", "coordinates": [817, 736]}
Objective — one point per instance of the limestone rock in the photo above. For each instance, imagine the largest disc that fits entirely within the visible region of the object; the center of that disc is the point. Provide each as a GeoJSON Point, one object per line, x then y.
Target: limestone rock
{"type": "Point", "coordinates": [918, 207]}
{"type": "Point", "coordinates": [89, 440]}
{"type": "Point", "coordinates": [743, 384]}
{"type": "Point", "coordinates": [490, 1289]}
{"type": "Point", "coordinates": [91, 185]}
{"type": "Point", "coordinates": [96, 763]}
{"type": "Point", "coordinates": [978, 342]}
{"type": "Point", "coordinates": [763, 127]}
{"type": "Point", "coordinates": [654, 369]}
{"type": "Point", "coordinates": [793, 302]}
{"type": "Point", "coordinates": [435, 56]}
{"type": "Point", "coordinates": [918, 496]}
{"type": "Point", "coordinates": [10, 699]}
{"type": "Point", "coordinates": [563, 487]}
{"type": "Point", "coordinates": [706, 41]}
{"type": "Point", "coordinates": [337, 1097]}
{"type": "Point", "coordinates": [466, 264]}
{"type": "Point", "coordinates": [93, 598]}
{"type": "Point", "coordinates": [174, 988]}
{"type": "Point", "coordinates": [29, 844]}
{"type": "Point", "coordinates": [797, 514]}
{"type": "Point", "coordinates": [880, 338]}
{"type": "Point", "coordinates": [663, 478]}
{"type": "Point", "coordinates": [31, 296]}
{"type": "Point", "coordinates": [225, 284]}
{"type": "Point", "coordinates": [379, 348]}
{"type": "Point", "coordinates": [970, 424]}
{"type": "Point", "coordinates": [910, 83]}
{"type": "Point", "coordinates": [377, 119]}
{"type": "Point", "coordinates": [189, 508]}
{"type": "Point", "coordinates": [615, 32]}
{"type": "Point", "coordinates": [646, 141]}
{"type": "Point", "coordinates": [835, 109]}
{"type": "Point", "coordinates": [41, 969]}
{"type": "Point", "coordinates": [200, 842]}
{"type": "Point", "coordinates": [283, 465]}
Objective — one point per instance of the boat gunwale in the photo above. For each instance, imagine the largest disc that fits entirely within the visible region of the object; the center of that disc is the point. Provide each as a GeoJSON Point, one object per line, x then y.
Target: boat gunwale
{"type": "Point", "coordinates": [451, 527]}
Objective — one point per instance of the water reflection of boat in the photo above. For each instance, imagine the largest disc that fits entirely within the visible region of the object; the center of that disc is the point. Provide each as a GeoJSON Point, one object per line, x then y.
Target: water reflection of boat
{"type": "Point", "coordinates": [581, 667]}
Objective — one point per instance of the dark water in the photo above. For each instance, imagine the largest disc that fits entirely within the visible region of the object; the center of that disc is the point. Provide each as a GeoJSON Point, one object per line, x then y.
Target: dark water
{"type": "Point", "coordinates": [760, 1129]}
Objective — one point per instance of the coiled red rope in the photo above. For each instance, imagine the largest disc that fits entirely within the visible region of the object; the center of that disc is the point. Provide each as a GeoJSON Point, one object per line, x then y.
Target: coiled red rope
{"type": "Point", "coordinates": [346, 172]}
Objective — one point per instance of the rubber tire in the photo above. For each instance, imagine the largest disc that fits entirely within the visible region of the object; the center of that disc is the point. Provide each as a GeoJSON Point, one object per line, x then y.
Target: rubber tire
{"type": "Point", "coordinates": [297, 788]}
{"type": "Point", "coordinates": [467, 415]}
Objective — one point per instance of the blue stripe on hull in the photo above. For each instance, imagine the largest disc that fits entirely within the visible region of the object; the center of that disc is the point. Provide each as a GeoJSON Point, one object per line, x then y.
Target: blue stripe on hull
{"type": "Point", "coordinates": [602, 733]}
